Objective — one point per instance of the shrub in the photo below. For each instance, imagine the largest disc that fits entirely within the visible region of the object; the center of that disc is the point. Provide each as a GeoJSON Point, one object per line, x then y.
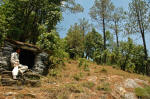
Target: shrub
{"type": "Point", "coordinates": [103, 70]}
{"type": "Point", "coordinates": [78, 77]}
{"type": "Point", "coordinates": [86, 67]}
{"type": "Point", "coordinates": [88, 84]}
{"type": "Point", "coordinates": [81, 61]}
{"type": "Point", "coordinates": [104, 87]}
{"type": "Point", "coordinates": [143, 92]}
{"type": "Point", "coordinates": [54, 72]}
{"type": "Point", "coordinates": [130, 67]}
{"type": "Point", "coordinates": [74, 88]}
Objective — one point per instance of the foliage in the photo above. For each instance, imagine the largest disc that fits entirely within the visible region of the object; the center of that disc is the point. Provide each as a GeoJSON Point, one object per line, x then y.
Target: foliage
{"type": "Point", "coordinates": [51, 42]}
{"type": "Point", "coordinates": [130, 59]}
{"type": "Point", "coordinates": [101, 13]}
{"type": "Point", "coordinates": [81, 61]}
{"type": "Point", "coordinates": [22, 19]}
{"type": "Point", "coordinates": [72, 6]}
{"type": "Point", "coordinates": [117, 17]}
{"type": "Point", "coordinates": [26, 16]}
{"type": "Point", "coordinates": [75, 45]}
{"type": "Point", "coordinates": [143, 92]}
{"type": "Point", "coordinates": [93, 43]}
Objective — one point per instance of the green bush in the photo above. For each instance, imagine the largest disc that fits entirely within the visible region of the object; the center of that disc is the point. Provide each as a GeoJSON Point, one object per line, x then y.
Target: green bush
{"type": "Point", "coordinates": [81, 61]}
{"type": "Point", "coordinates": [78, 77]}
{"type": "Point", "coordinates": [86, 67]}
{"type": "Point", "coordinates": [74, 88]}
{"type": "Point", "coordinates": [104, 87]}
{"type": "Point", "coordinates": [88, 84]}
{"type": "Point", "coordinates": [103, 70]}
{"type": "Point", "coordinates": [144, 93]}
{"type": "Point", "coordinates": [130, 67]}
{"type": "Point", "coordinates": [54, 72]}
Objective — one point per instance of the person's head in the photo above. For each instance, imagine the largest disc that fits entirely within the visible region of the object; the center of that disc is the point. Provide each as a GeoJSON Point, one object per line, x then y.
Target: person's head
{"type": "Point", "coordinates": [18, 50]}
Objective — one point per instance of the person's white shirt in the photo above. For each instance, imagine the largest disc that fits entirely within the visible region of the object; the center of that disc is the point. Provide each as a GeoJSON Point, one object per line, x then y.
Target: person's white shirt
{"type": "Point", "coordinates": [17, 66]}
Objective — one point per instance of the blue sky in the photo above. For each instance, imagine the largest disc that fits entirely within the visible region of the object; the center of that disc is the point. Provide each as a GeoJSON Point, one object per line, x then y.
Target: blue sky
{"type": "Point", "coordinates": [70, 19]}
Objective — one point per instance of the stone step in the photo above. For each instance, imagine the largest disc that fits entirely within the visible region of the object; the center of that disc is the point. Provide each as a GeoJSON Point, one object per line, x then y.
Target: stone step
{"type": "Point", "coordinates": [29, 79]}
{"type": "Point", "coordinates": [8, 73]}
{"type": "Point", "coordinates": [6, 76]}
{"type": "Point", "coordinates": [8, 82]}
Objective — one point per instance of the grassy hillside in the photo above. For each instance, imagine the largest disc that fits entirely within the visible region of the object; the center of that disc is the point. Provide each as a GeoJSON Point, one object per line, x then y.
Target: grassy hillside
{"type": "Point", "coordinates": [83, 81]}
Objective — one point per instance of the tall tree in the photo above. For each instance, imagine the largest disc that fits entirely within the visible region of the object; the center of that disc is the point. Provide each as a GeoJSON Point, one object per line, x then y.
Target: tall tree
{"type": "Point", "coordinates": [75, 45]}
{"type": "Point", "coordinates": [93, 42]}
{"type": "Point", "coordinates": [101, 12]}
{"type": "Point", "coordinates": [139, 21]}
{"type": "Point", "coordinates": [117, 22]}
{"type": "Point", "coordinates": [27, 19]}
{"type": "Point", "coordinates": [85, 27]}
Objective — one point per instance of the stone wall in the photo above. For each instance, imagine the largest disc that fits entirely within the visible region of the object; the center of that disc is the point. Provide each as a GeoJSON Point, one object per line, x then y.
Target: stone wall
{"type": "Point", "coordinates": [40, 63]}
{"type": "Point", "coordinates": [5, 54]}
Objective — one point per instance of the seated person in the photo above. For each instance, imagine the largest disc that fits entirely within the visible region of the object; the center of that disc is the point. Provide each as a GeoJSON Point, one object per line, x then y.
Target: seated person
{"type": "Point", "coordinates": [17, 66]}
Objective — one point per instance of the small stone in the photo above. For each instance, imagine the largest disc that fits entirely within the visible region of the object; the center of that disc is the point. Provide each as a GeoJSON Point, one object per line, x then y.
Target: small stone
{"type": "Point", "coordinates": [10, 93]}
{"type": "Point", "coordinates": [30, 95]}
{"type": "Point", "coordinates": [92, 78]}
{"type": "Point", "coordinates": [120, 90]}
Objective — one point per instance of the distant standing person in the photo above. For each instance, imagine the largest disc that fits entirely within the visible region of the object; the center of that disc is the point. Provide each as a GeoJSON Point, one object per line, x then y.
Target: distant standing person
{"type": "Point", "coordinates": [17, 66]}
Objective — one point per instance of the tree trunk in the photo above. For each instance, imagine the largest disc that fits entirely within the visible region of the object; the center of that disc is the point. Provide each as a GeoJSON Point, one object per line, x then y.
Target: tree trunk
{"type": "Point", "coordinates": [144, 43]}
{"type": "Point", "coordinates": [142, 31]}
{"type": "Point", "coordinates": [146, 55]}
{"type": "Point", "coordinates": [104, 33]}
{"type": "Point", "coordinates": [116, 31]}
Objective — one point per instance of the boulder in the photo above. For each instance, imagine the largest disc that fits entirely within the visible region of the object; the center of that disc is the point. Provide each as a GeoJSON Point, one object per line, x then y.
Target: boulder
{"type": "Point", "coordinates": [130, 83]}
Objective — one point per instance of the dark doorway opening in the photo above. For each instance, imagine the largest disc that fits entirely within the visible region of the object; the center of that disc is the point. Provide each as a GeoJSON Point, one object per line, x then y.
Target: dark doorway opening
{"type": "Point", "coordinates": [27, 57]}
